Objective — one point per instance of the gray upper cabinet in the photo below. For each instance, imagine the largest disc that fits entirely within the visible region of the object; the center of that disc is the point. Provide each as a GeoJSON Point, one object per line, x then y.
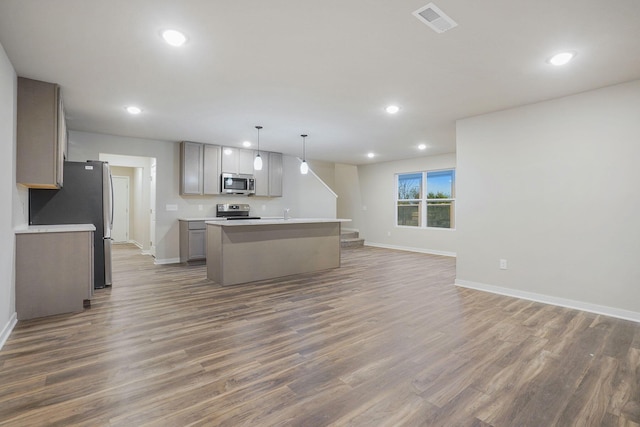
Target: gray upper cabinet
{"type": "Point", "coordinates": [202, 164]}
{"type": "Point", "coordinates": [211, 169]}
{"type": "Point", "coordinates": [41, 134]}
{"type": "Point", "coordinates": [262, 176]}
{"type": "Point", "coordinates": [245, 161]}
{"type": "Point", "coordinates": [269, 179]}
{"type": "Point", "coordinates": [237, 160]}
{"type": "Point", "coordinates": [230, 160]}
{"type": "Point", "coordinates": [199, 169]}
{"type": "Point", "coordinates": [275, 174]}
{"type": "Point", "coordinates": [191, 163]}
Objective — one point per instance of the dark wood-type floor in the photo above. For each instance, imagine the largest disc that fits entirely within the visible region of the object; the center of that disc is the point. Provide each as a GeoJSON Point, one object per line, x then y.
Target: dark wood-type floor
{"type": "Point", "coordinates": [386, 340]}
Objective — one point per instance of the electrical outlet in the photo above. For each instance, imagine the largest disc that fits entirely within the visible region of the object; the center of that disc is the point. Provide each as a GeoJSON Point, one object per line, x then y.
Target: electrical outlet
{"type": "Point", "coordinates": [388, 234]}
{"type": "Point", "coordinates": [200, 207]}
{"type": "Point", "coordinates": [503, 264]}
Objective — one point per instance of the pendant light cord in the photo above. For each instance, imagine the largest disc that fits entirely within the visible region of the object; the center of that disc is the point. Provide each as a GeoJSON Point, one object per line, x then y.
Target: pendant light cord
{"type": "Point", "coordinates": [258, 127]}
{"type": "Point", "coordinates": [304, 148]}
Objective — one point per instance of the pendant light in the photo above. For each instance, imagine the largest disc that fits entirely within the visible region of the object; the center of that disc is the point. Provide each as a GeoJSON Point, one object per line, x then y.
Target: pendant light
{"type": "Point", "coordinates": [304, 167]}
{"type": "Point", "coordinates": [257, 162]}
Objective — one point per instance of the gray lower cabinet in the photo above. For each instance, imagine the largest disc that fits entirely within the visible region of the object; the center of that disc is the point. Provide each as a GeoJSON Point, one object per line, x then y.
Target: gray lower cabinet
{"type": "Point", "coordinates": [193, 241]}
{"type": "Point", "coordinates": [54, 272]}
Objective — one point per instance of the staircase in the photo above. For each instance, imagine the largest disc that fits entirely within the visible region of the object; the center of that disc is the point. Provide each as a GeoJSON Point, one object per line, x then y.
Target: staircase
{"type": "Point", "coordinates": [351, 239]}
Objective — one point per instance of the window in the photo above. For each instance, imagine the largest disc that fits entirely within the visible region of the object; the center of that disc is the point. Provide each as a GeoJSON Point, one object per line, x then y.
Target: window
{"type": "Point", "coordinates": [426, 199]}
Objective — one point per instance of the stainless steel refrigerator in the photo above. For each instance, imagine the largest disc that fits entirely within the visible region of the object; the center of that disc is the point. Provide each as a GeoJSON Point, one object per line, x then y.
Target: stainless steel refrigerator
{"type": "Point", "coordinates": [85, 198]}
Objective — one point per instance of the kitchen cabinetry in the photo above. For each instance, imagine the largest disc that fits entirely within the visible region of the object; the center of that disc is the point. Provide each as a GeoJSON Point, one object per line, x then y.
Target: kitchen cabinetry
{"type": "Point", "coordinates": [211, 169]}
{"type": "Point", "coordinates": [275, 174]}
{"type": "Point", "coordinates": [49, 280]}
{"type": "Point", "coordinates": [41, 134]}
{"type": "Point", "coordinates": [191, 155]}
{"type": "Point", "coordinates": [199, 169]}
{"type": "Point", "coordinates": [193, 240]}
{"type": "Point", "coordinates": [237, 160]}
{"type": "Point", "coordinates": [202, 164]}
{"type": "Point", "coordinates": [269, 179]}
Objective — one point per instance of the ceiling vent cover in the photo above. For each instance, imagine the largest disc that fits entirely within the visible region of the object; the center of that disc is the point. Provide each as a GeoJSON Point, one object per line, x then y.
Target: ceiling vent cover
{"type": "Point", "coordinates": [435, 18]}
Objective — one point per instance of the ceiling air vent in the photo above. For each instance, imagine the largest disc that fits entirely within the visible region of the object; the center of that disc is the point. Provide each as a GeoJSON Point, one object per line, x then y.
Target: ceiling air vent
{"type": "Point", "coordinates": [435, 18]}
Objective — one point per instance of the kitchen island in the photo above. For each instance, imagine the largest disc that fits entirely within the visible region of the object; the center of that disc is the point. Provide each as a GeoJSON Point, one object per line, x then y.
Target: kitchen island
{"type": "Point", "coordinates": [249, 250]}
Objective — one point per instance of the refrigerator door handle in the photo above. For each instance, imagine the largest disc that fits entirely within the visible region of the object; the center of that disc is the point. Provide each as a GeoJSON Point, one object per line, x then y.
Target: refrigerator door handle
{"type": "Point", "coordinates": [112, 199]}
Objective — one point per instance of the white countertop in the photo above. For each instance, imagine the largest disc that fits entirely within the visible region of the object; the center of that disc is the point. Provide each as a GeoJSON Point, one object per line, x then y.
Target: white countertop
{"type": "Point", "coordinates": [58, 228]}
{"type": "Point", "coordinates": [212, 218]}
{"type": "Point", "coordinates": [275, 221]}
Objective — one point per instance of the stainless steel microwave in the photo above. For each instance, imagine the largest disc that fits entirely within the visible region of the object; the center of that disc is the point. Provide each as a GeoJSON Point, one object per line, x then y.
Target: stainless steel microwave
{"type": "Point", "coordinates": [233, 183]}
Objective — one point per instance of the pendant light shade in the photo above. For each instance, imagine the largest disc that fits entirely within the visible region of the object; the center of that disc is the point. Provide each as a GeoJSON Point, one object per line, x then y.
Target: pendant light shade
{"type": "Point", "coordinates": [304, 167]}
{"type": "Point", "coordinates": [257, 162]}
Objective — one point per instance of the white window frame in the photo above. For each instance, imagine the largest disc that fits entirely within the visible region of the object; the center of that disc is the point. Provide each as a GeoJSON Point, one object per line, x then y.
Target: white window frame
{"type": "Point", "coordinates": [423, 201]}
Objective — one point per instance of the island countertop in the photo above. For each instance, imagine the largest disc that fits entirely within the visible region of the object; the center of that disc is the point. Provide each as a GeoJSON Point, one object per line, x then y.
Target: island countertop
{"type": "Point", "coordinates": [275, 221]}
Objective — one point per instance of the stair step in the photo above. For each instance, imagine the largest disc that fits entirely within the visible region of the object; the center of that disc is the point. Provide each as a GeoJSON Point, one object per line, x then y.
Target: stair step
{"type": "Point", "coordinates": [353, 242]}
{"type": "Point", "coordinates": [349, 234]}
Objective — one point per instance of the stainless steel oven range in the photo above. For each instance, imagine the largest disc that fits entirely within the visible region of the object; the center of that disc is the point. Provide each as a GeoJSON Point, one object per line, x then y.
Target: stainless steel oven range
{"type": "Point", "coordinates": [234, 212]}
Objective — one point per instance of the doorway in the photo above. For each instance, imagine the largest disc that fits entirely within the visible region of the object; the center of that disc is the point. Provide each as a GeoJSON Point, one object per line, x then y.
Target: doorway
{"type": "Point", "coordinates": [121, 209]}
{"type": "Point", "coordinates": [141, 197]}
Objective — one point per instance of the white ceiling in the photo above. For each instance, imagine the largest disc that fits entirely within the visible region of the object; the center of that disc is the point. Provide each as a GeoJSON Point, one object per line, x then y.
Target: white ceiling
{"type": "Point", "coordinates": [327, 68]}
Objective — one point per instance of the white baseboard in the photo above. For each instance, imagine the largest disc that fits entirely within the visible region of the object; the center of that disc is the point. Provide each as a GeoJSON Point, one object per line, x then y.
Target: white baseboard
{"type": "Point", "coordinates": [409, 249]}
{"type": "Point", "coordinates": [6, 331]}
{"type": "Point", "coordinates": [167, 261]}
{"type": "Point", "coordinates": [547, 299]}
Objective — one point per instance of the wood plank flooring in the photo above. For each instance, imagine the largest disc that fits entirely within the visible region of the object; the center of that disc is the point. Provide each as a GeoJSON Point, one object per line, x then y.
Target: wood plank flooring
{"type": "Point", "coordinates": [385, 340]}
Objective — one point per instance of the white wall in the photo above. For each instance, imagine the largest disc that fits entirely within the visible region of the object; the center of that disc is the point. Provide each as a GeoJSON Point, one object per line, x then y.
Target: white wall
{"type": "Point", "coordinates": [13, 212]}
{"type": "Point", "coordinates": [303, 195]}
{"type": "Point", "coordinates": [307, 196]}
{"type": "Point", "coordinates": [376, 220]}
{"type": "Point", "coordinates": [347, 186]}
{"type": "Point", "coordinates": [554, 188]}
{"type": "Point", "coordinates": [326, 171]}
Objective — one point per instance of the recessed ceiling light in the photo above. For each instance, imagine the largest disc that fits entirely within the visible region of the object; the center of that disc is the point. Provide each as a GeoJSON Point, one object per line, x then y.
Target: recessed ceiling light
{"type": "Point", "coordinates": [246, 144]}
{"type": "Point", "coordinates": [132, 109]}
{"type": "Point", "coordinates": [370, 155]}
{"type": "Point", "coordinates": [561, 58]}
{"type": "Point", "coordinates": [422, 147]}
{"type": "Point", "coordinates": [174, 38]}
{"type": "Point", "coordinates": [392, 109]}
{"type": "Point", "coordinates": [228, 151]}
